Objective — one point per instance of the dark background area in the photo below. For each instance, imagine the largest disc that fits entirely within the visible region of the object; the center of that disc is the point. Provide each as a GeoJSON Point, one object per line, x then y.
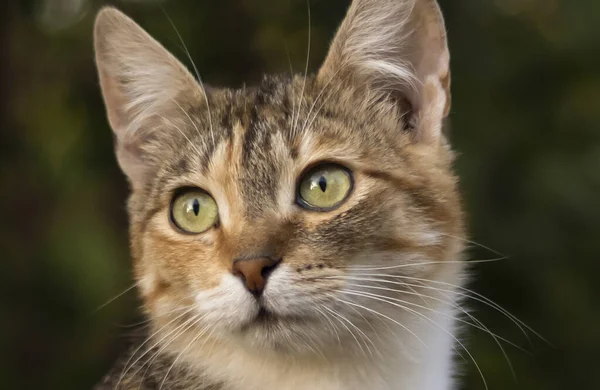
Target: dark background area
{"type": "Point", "coordinates": [525, 120]}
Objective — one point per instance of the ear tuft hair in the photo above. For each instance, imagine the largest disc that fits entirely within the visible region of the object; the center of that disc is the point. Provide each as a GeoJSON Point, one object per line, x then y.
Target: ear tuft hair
{"type": "Point", "coordinates": [397, 48]}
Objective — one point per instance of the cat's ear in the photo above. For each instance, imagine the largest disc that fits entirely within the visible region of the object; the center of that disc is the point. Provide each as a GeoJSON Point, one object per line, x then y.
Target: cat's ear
{"type": "Point", "coordinates": [140, 81]}
{"type": "Point", "coordinates": [397, 48]}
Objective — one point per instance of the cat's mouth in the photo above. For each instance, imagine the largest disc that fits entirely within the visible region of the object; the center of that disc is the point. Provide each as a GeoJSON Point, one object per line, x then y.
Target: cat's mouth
{"type": "Point", "coordinates": [264, 315]}
{"type": "Point", "coordinates": [265, 318]}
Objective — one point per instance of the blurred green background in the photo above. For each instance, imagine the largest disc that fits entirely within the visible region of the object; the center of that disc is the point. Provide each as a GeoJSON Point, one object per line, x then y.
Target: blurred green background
{"type": "Point", "coordinates": [525, 119]}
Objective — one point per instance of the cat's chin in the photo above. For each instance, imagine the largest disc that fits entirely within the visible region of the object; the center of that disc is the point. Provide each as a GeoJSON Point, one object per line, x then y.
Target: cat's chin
{"type": "Point", "coordinates": [282, 333]}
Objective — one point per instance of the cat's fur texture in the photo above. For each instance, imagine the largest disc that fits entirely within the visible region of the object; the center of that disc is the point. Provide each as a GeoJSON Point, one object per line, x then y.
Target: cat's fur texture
{"type": "Point", "coordinates": [351, 303]}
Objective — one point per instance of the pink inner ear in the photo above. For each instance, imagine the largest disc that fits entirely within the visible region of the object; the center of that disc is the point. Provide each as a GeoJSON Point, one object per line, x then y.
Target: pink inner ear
{"type": "Point", "coordinates": [115, 101]}
{"type": "Point", "coordinates": [140, 81]}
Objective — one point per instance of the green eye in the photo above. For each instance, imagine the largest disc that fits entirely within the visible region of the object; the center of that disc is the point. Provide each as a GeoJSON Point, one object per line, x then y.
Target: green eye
{"type": "Point", "coordinates": [194, 211]}
{"type": "Point", "coordinates": [324, 187]}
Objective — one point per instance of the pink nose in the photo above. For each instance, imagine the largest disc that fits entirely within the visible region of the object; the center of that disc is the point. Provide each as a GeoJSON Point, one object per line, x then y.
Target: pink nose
{"type": "Point", "coordinates": [254, 272]}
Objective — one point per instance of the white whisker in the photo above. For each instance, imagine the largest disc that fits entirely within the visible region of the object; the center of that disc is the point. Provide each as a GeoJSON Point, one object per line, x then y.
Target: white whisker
{"type": "Point", "coordinates": [384, 299]}
{"type": "Point", "coordinates": [379, 314]}
{"type": "Point", "coordinates": [181, 132]}
{"type": "Point", "coordinates": [200, 334]}
{"type": "Point", "coordinates": [333, 327]}
{"type": "Point", "coordinates": [337, 317]}
{"type": "Point", "coordinates": [465, 292]}
{"type": "Point", "coordinates": [305, 71]}
{"type": "Point", "coordinates": [128, 366]}
{"type": "Point", "coordinates": [189, 56]}
{"type": "Point", "coordinates": [115, 297]}
{"type": "Point", "coordinates": [450, 302]}
{"type": "Point", "coordinates": [369, 268]}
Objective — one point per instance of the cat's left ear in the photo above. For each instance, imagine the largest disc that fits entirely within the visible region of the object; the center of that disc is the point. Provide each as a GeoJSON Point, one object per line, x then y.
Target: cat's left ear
{"type": "Point", "coordinates": [396, 48]}
{"type": "Point", "coordinates": [141, 81]}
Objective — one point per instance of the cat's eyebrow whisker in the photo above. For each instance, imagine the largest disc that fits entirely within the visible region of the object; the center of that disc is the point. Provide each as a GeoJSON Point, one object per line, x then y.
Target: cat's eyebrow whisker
{"type": "Point", "coordinates": [189, 117]}
{"type": "Point", "coordinates": [287, 53]}
{"type": "Point", "coordinates": [181, 132]}
{"type": "Point", "coordinates": [304, 127]}
{"type": "Point", "coordinates": [329, 95]}
{"type": "Point", "coordinates": [385, 299]}
{"type": "Point", "coordinates": [189, 56]}
{"type": "Point", "coordinates": [305, 72]}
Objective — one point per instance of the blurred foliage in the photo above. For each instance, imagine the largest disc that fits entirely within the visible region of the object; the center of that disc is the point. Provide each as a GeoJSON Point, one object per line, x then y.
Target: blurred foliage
{"type": "Point", "coordinates": [525, 119]}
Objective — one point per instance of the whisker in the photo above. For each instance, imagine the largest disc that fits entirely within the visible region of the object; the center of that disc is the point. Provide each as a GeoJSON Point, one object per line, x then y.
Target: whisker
{"type": "Point", "coordinates": [379, 314]}
{"type": "Point", "coordinates": [477, 297]}
{"type": "Point", "coordinates": [316, 114]}
{"type": "Point", "coordinates": [337, 335]}
{"type": "Point", "coordinates": [369, 268]}
{"type": "Point", "coordinates": [360, 331]}
{"type": "Point", "coordinates": [385, 300]}
{"type": "Point", "coordinates": [188, 116]}
{"type": "Point", "coordinates": [336, 316]}
{"type": "Point", "coordinates": [127, 365]}
{"type": "Point", "coordinates": [495, 336]}
{"type": "Point", "coordinates": [115, 298]}
{"type": "Point", "coordinates": [154, 316]}
{"type": "Point", "coordinates": [483, 299]}
{"type": "Point", "coordinates": [181, 132]}
{"type": "Point", "coordinates": [287, 53]}
{"type": "Point", "coordinates": [189, 56]}
{"type": "Point", "coordinates": [197, 318]}
{"type": "Point", "coordinates": [367, 322]}
{"type": "Point", "coordinates": [474, 243]}
{"type": "Point", "coordinates": [305, 70]}
{"type": "Point", "coordinates": [200, 334]}
{"type": "Point", "coordinates": [304, 127]}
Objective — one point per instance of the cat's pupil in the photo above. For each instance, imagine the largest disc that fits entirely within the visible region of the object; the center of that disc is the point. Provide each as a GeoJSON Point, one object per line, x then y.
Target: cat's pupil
{"type": "Point", "coordinates": [323, 183]}
{"type": "Point", "coordinates": [196, 207]}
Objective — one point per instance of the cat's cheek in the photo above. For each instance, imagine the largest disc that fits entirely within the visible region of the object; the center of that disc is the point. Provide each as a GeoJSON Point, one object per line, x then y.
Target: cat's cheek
{"type": "Point", "coordinates": [229, 305]}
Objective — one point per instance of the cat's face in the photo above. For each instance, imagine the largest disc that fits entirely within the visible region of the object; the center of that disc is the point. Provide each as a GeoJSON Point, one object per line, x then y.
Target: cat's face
{"type": "Point", "coordinates": [263, 215]}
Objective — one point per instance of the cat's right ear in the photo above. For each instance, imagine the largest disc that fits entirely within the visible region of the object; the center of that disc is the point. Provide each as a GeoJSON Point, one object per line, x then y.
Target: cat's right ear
{"type": "Point", "coordinates": [140, 81]}
{"type": "Point", "coordinates": [397, 49]}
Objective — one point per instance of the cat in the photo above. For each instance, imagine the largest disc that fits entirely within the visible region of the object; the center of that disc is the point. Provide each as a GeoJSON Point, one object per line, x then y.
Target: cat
{"type": "Point", "coordinates": [306, 233]}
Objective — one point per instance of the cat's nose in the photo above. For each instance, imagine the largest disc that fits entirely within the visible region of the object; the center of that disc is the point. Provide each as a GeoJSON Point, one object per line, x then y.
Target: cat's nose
{"type": "Point", "coordinates": [254, 272]}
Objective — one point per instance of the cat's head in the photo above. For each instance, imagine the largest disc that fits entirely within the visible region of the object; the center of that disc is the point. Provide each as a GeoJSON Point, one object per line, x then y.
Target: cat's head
{"type": "Point", "coordinates": [272, 215]}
